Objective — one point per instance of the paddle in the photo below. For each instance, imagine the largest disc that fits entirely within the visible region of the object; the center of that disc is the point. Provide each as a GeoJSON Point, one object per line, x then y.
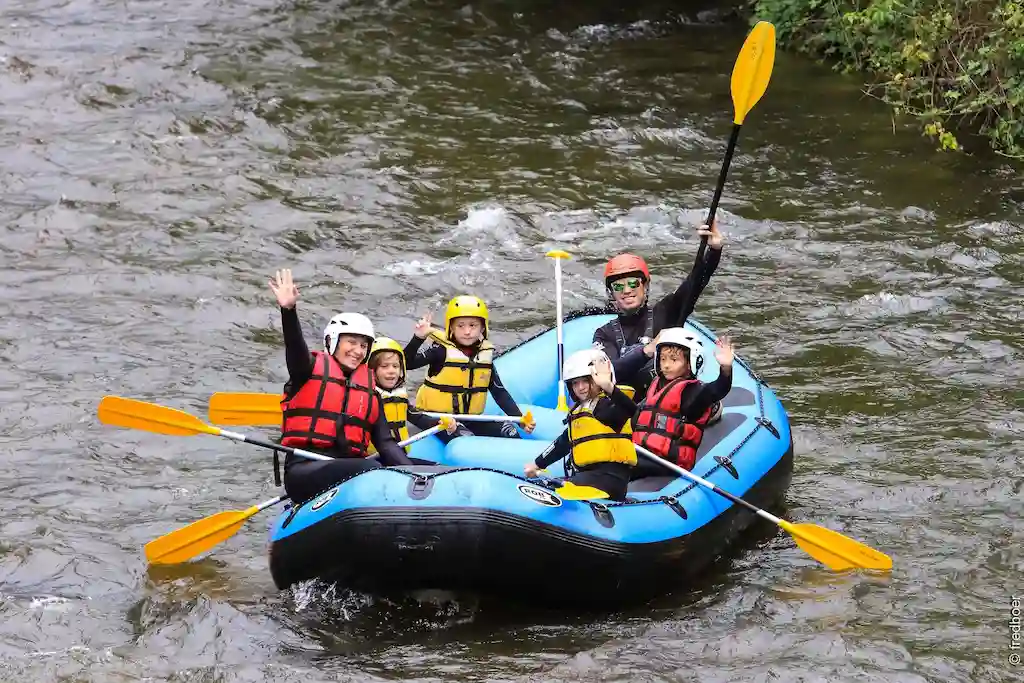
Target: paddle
{"type": "Point", "coordinates": [521, 419]}
{"type": "Point", "coordinates": [571, 491]}
{"type": "Point", "coordinates": [831, 548]}
{"type": "Point", "coordinates": [245, 409]}
{"type": "Point", "coordinates": [265, 410]}
{"type": "Point", "coordinates": [750, 76]}
{"type": "Point", "coordinates": [149, 417]}
{"type": "Point", "coordinates": [558, 256]}
{"type": "Point", "coordinates": [185, 543]}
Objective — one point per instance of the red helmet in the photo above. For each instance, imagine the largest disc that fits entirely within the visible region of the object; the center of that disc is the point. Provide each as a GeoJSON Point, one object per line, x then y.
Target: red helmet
{"type": "Point", "coordinates": [623, 265]}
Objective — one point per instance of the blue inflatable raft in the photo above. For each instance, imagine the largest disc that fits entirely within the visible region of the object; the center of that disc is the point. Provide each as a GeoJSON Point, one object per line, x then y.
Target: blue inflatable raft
{"type": "Point", "coordinates": [473, 522]}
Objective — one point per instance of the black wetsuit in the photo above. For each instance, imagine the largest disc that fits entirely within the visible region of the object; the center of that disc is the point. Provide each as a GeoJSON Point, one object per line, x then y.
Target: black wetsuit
{"type": "Point", "coordinates": [304, 478]}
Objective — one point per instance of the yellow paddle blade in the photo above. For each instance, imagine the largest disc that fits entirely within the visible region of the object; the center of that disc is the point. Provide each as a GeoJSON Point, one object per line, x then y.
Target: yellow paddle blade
{"type": "Point", "coordinates": [753, 69]}
{"type": "Point", "coordinates": [571, 491]}
{"type": "Point", "coordinates": [835, 551]}
{"type": "Point", "coordinates": [245, 409]}
{"type": "Point", "coordinates": [557, 253]}
{"type": "Point", "coordinates": [149, 417]}
{"type": "Point", "coordinates": [197, 537]}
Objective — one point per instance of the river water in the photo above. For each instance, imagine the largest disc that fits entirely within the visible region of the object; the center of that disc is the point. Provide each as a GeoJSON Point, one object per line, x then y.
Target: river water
{"type": "Point", "coordinates": [161, 159]}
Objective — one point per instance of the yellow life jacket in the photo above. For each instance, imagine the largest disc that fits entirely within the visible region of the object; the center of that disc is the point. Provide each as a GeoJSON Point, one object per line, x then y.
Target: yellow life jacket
{"type": "Point", "coordinates": [462, 384]}
{"type": "Point", "coordinates": [592, 441]}
{"type": "Point", "coordinates": [396, 412]}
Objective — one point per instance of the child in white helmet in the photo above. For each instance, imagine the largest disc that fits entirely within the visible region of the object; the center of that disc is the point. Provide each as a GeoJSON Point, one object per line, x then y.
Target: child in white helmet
{"type": "Point", "coordinates": [597, 435]}
{"type": "Point", "coordinates": [329, 405]}
{"type": "Point", "coordinates": [460, 369]}
{"type": "Point", "coordinates": [670, 420]}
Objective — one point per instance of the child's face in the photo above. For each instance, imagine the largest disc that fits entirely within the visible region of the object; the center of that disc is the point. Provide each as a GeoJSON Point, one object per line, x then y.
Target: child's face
{"type": "Point", "coordinates": [673, 362]}
{"type": "Point", "coordinates": [389, 369]}
{"type": "Point", "coordinates": [582, 388]}
{"type": "Point", "coordinates": [467, 331]}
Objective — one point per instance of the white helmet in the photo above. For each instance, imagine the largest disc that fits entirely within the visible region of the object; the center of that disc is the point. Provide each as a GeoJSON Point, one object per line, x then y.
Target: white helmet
{"type": "Point", "coordinates": [580, 364]}
{"type": "Point", "coordinates": [677, 336]}
{"type": "Point", "coordinates": [347, 323]}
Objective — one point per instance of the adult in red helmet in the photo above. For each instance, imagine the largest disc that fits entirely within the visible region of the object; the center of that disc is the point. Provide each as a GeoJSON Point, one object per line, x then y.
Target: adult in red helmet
{"type": "Point", "coordinates": [629, 339]}
{"type": "Point", "coordinates": [329, 405]}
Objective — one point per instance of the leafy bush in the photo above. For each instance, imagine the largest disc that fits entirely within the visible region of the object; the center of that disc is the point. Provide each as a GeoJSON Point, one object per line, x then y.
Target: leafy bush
{"type": "Point", "coordinates": [958, 65]}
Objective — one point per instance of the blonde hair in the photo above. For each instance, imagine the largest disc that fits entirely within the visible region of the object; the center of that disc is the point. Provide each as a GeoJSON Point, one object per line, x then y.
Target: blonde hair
{"type": "Point", "coordinates": [378, 358]}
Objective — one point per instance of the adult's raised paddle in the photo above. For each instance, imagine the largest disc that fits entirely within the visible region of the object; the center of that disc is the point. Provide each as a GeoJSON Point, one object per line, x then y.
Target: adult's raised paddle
{"type": "Point", "coordinates": [558, 256]}
{"type": "Point", "coordinates": [185, 543]}
{"type": "Point", "coordinates": [831, 548]}
{"type": "Point", "coordinates": [750, 76]}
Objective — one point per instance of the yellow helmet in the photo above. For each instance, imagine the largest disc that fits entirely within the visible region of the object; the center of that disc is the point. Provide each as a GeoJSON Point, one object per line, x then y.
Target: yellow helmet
{"type": "Point", "coordinates": [388, 344]}
{"type": "Point", "coordinates": [468, 307]}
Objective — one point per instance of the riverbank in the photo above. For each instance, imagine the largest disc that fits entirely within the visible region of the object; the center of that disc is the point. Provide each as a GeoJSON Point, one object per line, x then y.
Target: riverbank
{"type": "Point", "coordinates": [955, 66]}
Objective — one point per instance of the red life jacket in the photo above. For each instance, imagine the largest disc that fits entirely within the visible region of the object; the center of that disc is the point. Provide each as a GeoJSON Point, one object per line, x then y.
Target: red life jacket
{"type": "Point", "coordinates": [311, 416]}
{"type": "Point", "coordinates": [662, 428]}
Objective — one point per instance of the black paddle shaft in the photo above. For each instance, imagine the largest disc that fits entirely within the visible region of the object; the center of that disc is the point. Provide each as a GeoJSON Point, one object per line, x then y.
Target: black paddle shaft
{"type": "Point", "coordinates": [730, 150]}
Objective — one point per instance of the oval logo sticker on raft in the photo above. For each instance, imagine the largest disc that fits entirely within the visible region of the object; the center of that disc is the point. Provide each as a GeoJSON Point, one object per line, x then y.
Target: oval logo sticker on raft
{"type": "Point", "coordinates": [323, 499]}
{"type": "Point", "coordinates": [540, 496]}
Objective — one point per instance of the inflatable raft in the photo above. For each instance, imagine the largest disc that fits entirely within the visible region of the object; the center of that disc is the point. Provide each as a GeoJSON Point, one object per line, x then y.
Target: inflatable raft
{"type": "Point", "coordinates": [473, 522]}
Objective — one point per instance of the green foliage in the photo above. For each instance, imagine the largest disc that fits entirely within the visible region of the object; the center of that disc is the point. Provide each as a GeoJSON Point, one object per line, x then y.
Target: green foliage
{"type": "Point", "coordinates": [952, 63]}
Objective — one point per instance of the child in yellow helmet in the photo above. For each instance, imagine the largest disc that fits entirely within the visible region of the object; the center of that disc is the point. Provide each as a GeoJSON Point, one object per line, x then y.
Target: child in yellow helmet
{"type": "Point", "coordinates": [460, 369]}
{"type": "Point", "coordinates": [387, 360]}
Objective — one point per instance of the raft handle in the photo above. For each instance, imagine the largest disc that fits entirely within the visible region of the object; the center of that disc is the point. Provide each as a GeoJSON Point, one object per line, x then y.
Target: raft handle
{"type": "Point", "coordinates": [291, 516]}
{"type": "Point", "coordinates": [420, 487]}
{"type": "Point", "coordinates": [602, 514]}
{"type": "Point", "coordinates": [767, 424]}
{"type": "Point", "coordinates": [674, 504]}
{"type": "Point", "coordinates": [726, 462]}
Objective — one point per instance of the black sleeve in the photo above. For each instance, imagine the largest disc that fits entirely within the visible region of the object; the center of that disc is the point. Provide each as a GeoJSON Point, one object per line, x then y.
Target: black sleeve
{"type": "Point", "coordinates": [420, 420]}
{"type": "Point", "coordinates": [630, 365]}
{"type": "Point", "coordinates": [707, 394]}
{"type": "Point", "coordinates": [501, 395]}
{"type": "Point", "coordinates": [710, 266]}
{"type": "Point", "coordinates": [614, 411]}
{"type": "Point", "coordinates": [556, 450]}
{"type": "Point", "coordinates": [296, 353]}
{"type": "Point", "coordinates": [390, 452]}
{"type": "Point", "coordinates": [417, 357]}
{"type": "Point", "coordinates": [607, 345]}
{"type": "Point", "coordinates": [677, 306]}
